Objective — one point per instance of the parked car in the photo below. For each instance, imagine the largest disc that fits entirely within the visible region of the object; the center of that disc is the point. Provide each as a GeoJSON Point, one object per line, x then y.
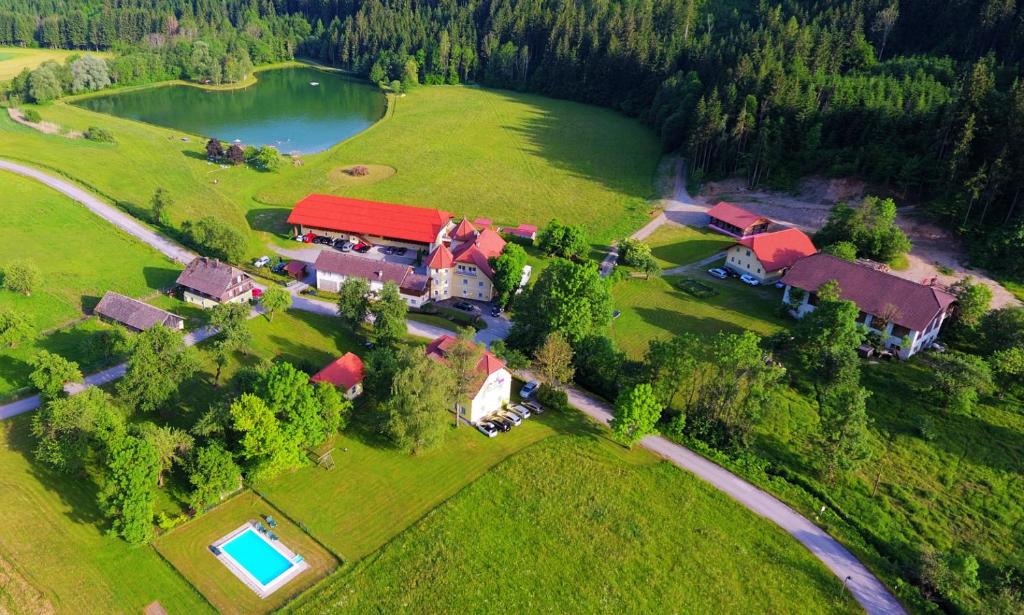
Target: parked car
{"type": "Point", "coordinates": [520, 410]}
{"type": "Point", "coordinates": [534, 407]}
{"type": "Point", "coordinates": [616, 314]}
{"type": "Point", "coordinates": [500, 423]}
{"type": "Point", "coordinates": [512, 417]}
{"type": "Point", "coordinates": [308, 291]}
{"type": "Point", "coordinates": [718, 272]}
{"type": "Point", "coordinates": [262, 261]}
{"type": "Point", "coordinates": [780, 284]}
{"type": "Point", "coordinates": [342, 244]}
{"type": "Point", "coordinates": [529, 389]}
{"type": "Point", "coordinates": [487, 429]}
{"type": "Point", "coordinates": [388, 250]}
{"type": "Point", "coordinates": [496, 311]}
{"type": "Point", "coordinates": [749, 280]}
{"type": "Point", "coordinates": [257, 293]}
{"type": "Point", "coordinates": [279, 267]}
{"type": "Point", "coordinates": [324, 241]}
{"type": "Point", "coordinates": [401, 251]}
{"type": "Point", "coordinates": [362, 248]}
{"type": "Point", "coordinates": [465, 306]}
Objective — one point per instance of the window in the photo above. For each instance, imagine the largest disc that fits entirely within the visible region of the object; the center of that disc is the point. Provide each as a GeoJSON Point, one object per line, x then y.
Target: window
{"type": "Point", "coordinates": [748, 252]}
{"type": "Point", "coordinates": [481, 295]}
{"type": "Point", "coordinates": [465, 282]}
{"type": "Point", "coordinates": [759, 270]}
{"type": "Point", "coordinates": [480, 284]}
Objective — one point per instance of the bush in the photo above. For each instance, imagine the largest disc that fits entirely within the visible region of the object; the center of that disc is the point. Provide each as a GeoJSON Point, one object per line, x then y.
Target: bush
{"type": "Point", "coordinates": [101, 135]}
{"type": "Point", "coordinates": [358, 171]}
{"type": "Point", "coordinates": [552, 399]}
{"type": "Point", "coordinates": [31, 115]}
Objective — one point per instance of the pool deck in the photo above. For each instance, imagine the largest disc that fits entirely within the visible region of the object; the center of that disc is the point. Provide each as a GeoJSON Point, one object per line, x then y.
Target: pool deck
{"type": "Point", "coordinates": [243, 575]}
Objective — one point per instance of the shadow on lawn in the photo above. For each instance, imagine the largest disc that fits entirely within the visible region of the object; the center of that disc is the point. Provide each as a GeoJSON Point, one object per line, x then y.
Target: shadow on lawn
{"type": "Point", "coordinates": [159, 278]}
{"type": "Point", "coordinates": [269, 219]}
{"type": "Point", "coordinates": [678, 323]}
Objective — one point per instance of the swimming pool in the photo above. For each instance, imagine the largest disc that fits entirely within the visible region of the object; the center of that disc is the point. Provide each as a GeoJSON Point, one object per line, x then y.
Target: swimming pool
{"type": "Point", "coordinates": [260, 563]}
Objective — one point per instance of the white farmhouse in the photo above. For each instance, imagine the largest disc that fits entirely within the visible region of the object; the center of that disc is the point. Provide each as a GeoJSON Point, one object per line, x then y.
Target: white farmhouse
{"type": "Point", "coordinates": [494, 385]}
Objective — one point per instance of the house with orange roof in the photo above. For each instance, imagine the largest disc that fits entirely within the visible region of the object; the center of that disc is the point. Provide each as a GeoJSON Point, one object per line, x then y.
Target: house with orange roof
{"type": "Point", "coordinates": [767, 256]}
{"type": "Point", "coordinates": [493, 385]}
{"type": "Point", "coordinates": [735, 221]}
{"type": "Point", "coordinates": [461, 268]}
{"type": "Point", "coordinates": [345, 373]}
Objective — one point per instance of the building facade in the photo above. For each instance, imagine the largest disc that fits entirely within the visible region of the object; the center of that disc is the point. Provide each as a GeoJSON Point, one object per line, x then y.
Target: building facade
{"type": "Point", "coordinates": [207, 282]}
{"type": "Point", "coordinates": [357, 220]}
{"type": "Point", "coordinates": [461, 268]}
{"type": "Point", "coordinates": [768, 255]}
{"type": "Point", "coordinates": [493, 386]}
{"type": "Point", "coordinates": [735, 221]}
{"type": "Point", "coordinates": [333, 268]}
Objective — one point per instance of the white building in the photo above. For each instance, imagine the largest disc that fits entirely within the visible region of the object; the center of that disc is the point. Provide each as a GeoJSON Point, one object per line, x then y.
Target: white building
{"type": "Point", "coordinates": [494, 390]}
{"type": "Point", "coordinates": [907, 315]}
{"type": "Point", "coordinates": [333, 268]}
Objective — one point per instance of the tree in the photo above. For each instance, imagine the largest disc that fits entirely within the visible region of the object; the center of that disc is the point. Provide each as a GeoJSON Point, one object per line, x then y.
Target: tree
{"type": "Point", "coordinates": [275, 300]}
{"type": "Point", "coordinates": [354, 301]}
{"type": "Point", "coordinates": [50, 372]}
{"type": "Point", "coordinates": [871, 228]}
{"type": "Point", "coordinates": [463, 358]}
{"type": "Point", "coordinates": [213, 474]}
{"type": "Point", "coordinates": [637, 411]}
{"type": "Point", "coordinates": [235, 154]}
{"type": "Point", "coordinates": [565, 240]}
{"type": "Point", "coordinates": [21, 277]}
{"type": "Point", "coordinates": [972, 301]}
{"type": "Point", "coordinates": [514, 359]}
{"type": "Point", "coordinates": [263, 442]}
{"type": "Point", "coordinates": [843, 427]}
{"type": "Point", "coordinates": [845, 250]}
{"type": "Point", "coordinates": [265, 158]}
{"type": "Point", "coordinates": [44, 83]}
{"type": "Point", "coordinates": [388, 311]}
{"type": "Point", "coordinates": [553, 360]}
{"type": "Point", "coordinates": [960, 379]}
{"type": "Point", "coordinates": [214, 149]}
{"type": "Point", "coordinates": [1000, 329]}
{"type": "Point", "coordinates": [232, 323]}
{"type": "Point", "coordinates": [508, 272]}
{"type": "Point", "coordinates": [160, 207]}
{"type": "Point", "coordinates": [15, 328]}
{"type": "Point", "coordinates": [416, 414]}
{"type": "Point", "coordinates": [158, 363]}
{"type": "Point", "coordinates": [128, 488]}
{"type": "Point", "coordinates": [410, 75]}
{"type": "Point", "coordinates": [1008, 367]}
{"type": "Point", "coordinates": [202, 65]}
{"type": "Point", "coordinates": [571, 298]}
{"type": "Point", "coordinates": [70, 430]}
{"type": "Point", "coordinates": [825, 340]}
{"type": "Point", "coordinates": [170, 443]}
{"type": "Point", "coordinates": [669, 364]}
{"type": "Point", "coordinates": [308, 413]}
{"type": "Point", "coordinates": [216, 238]}
{"type": "Point", "coordinates": [89, 73]}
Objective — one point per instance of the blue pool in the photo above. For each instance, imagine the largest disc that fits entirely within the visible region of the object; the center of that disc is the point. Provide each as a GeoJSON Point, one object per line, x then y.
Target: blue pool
{"type": "Point", "coordinates": [254, 554]}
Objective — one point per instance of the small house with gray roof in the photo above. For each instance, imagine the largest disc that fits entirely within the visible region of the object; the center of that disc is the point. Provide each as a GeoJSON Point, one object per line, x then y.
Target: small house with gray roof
{"type": "Point", "coordinates": [134, 314]}
{"type": "Point", "coordinates": [208, 282]}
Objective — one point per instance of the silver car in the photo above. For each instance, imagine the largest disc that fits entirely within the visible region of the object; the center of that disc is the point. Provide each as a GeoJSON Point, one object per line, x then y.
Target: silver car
{"type": "Point", "coordinates": [511, 417]}
{"type": "Point", "coordinates": [487, 429]}
{"type": "Point", "coordinates": [520, 410]}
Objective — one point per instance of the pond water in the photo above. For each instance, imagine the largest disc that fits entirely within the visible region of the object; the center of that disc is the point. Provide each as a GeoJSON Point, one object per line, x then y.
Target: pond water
{"type": "Point", "coordinates": [281, 109]}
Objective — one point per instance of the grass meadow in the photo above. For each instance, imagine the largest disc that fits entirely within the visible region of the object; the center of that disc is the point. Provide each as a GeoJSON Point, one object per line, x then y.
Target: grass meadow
{"type": "Point", "coordinates": [673, 245]}
{"type": "Point", "coordinates": [578, 524]}
{"type": "Point", "coordinates": [13, 60]}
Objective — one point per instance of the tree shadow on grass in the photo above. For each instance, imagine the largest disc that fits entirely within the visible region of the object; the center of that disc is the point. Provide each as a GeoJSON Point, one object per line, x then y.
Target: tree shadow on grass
{"type": "Point", "coordinates": [13, 369]}
{"type": "Point", "coordinates": [159, 278]}
{"type": "Point", "coordinates": [269, 219]}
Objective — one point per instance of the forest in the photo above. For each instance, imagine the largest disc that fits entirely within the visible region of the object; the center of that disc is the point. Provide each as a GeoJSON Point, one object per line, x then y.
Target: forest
{"type": "Point", "coordinates": [769, 91]}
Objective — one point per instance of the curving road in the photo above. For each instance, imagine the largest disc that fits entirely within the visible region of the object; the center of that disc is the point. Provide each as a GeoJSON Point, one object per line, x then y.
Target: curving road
{"type": "Point", "coordinates": [865, 588]}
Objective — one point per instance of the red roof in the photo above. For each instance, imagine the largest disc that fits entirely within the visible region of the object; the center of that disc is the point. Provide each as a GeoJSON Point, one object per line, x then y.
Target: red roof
{"type": "Point", "coordinates": [780, 249]}
{"type": "Point", "coordinates": [345, 372]}
{"type": "Point", "coordinates": [464, 231]}
{"type": "Point", "coordinates": [735, 215]}
{"type": "Point", "coordinates": [482, 222]}
{"type": "Point", "coordinates": [342, 214]}
{"type": "Point", "coordinates": [490, 242]}
{"type": "Point", "coordinates": [875, 292]}
{"type": "Point", "coordinates": [440, 258]}
{"type": "Point", "coordinates": [472, 255]}
{"type": "Point", "coordinates": [486, 245]}
{"type": "Point", "coordinates": [438, 350]}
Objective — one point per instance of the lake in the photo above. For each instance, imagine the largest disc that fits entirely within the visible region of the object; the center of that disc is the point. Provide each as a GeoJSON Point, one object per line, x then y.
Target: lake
{"type": "Point", "coordinates": [281, 109]}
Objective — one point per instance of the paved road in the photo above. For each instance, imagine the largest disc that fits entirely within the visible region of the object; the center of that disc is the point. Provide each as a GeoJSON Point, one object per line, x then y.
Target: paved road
{"type": "Point", "coordinates": [106, 211]}
{"type": "Point", "coordinates": [865, 588]}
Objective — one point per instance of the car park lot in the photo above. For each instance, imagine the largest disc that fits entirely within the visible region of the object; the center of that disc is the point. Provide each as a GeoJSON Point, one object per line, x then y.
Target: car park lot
{"type": "Point", "coordinates": [504, 420]}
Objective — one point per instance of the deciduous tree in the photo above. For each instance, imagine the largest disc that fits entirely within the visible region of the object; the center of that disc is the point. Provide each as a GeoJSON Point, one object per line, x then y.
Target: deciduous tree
{"type": "Point", "coordinates": [553, 360]}
{"type": "Point", "coordinates": [213, 474]}
{"type": "Point", "coordinates": [275, 300]}
{"type": "Point", "coordinates": [565, 240]}
{"type": "Point", "coordinates": [50, 372]}
{"type": "Point", "coordinates": [508, 271]}
{"type": "Point", "coordinates": [21, 277]}
{"type": "Point", "coordinates": [571, 298]}
{"type": "Point", "coordinates": [389, 311]}
{"type": "Point", "coordinates": [417, 411]}
{"type": "Point", "coordinates": [354, 301]}
{"type": "Point", "coordinates": [170, 443]}
{"type": "Point", "coordinates": [158, 363]}
{"type": "Point", "coordinates": [128, 488]}
{"type": "Point", "coordinates": [70, 430]}
{"type": "Point", "coordinates": [232, 323]}
{"type": "Point", "coordinates": [15, 327]}
{"type": "Point", "coordinates": [637, 411]}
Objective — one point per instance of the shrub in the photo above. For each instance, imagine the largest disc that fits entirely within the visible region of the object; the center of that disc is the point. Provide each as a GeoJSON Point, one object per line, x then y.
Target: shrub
{"type": "Point", "coordinates": [926, 427]}
{"type": "Point", "coordinates": [358, 171]}
{"type": "Point", "coordinates": [552, 399]}
{"type": "Point", "coordinates": [100, 135]}
{"type": "Point", "coordinates": [31, 115]}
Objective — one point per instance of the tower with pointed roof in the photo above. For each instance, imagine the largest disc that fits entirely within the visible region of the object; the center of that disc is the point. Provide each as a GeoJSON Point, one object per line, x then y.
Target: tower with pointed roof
{"type": "Point", "coordinates": [461, 267]}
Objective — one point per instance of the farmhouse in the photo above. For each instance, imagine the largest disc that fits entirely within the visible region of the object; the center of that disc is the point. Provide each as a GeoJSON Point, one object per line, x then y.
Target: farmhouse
{"type": "Point", "coordinates": [345, 373]}
{"type": "Point", "coordinates": [494, 382]}
{"type": "Point", "coordinates": [333, 268]}
{"type": "Point", "coordinates": [906, 315]}
{"type": "Point", "coordinates": [735, 221]}
{"type": "Point", "coordinates": [207, 282]}
{"type": "Point", "coordinates": [134, 314]}
{"type": "Point", "coordinates": [369, 221]}
{"type": "Point", "coordinates": [766, 256]}
{"type": "Point", "coordinates": [463, 270]}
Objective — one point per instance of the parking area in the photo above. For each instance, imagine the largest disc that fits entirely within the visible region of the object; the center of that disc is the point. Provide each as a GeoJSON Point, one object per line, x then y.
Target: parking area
{"type": "Point", "coordinates": [522, 408]}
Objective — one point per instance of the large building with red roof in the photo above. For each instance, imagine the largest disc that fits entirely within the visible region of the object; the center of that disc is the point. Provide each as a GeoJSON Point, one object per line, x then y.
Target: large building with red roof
{"type": "Point", "coordinates": [461, 268]}
{"type": "Point", "coordinates": [345, 373]}
{"type": "Point", "coordinates": [735, 221]}
{"type": "Point", "coordinates": [369, 221]}
{"type": "Point", "coordinates": [493, 384]}
{"type": "Point", "coordinates": [906, 315]}
{"type": "Point", "coordinates": [766, 256]}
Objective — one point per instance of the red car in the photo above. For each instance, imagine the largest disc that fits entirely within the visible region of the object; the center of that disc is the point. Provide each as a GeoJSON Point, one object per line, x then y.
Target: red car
{"type": "Point", "coordinates": [257, 293]}
{"type": "Point", "coordinates": [362, 247]}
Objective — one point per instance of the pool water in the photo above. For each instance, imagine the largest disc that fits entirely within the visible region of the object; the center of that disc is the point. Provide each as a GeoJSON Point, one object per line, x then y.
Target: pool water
{"type": "Point", "coordinates": [254, 554]}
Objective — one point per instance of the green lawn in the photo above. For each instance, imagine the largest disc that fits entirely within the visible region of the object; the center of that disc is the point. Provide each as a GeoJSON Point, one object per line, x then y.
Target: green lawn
{"type": "Point", "coordinates": [188, 549]}
{"type": "Point", "coordinates": [80, 257]}
{"type": "Point", "coordinates": [673, 245]}
{"type": "Point", "coordinates": [14, 59]}
{"type": "Point", "coordinates": [656, 309]}
{"type": "Point", "coordinates": [578, 524]}
{"type": "Point", "coordinates": [54, 542]}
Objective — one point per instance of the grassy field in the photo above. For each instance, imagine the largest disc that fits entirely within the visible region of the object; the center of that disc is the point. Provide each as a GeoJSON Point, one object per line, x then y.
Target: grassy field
{"type": "Point", "coordinates": [187, 547]}
{"type": "Point", "coordinates": [657, 309]}
{"type": "Point", "coordinates": [462, 149]}
{"type": "Point", "coordinates": [15, 59]}
{"type": "Point", "coordinates": [79, 257]}
{"type": "Point", "coordinates": [673, 245]}
{"type": "Point", "coordinates": [619, 532]}
{"type": "Point", "coordinates": [54, 540]}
